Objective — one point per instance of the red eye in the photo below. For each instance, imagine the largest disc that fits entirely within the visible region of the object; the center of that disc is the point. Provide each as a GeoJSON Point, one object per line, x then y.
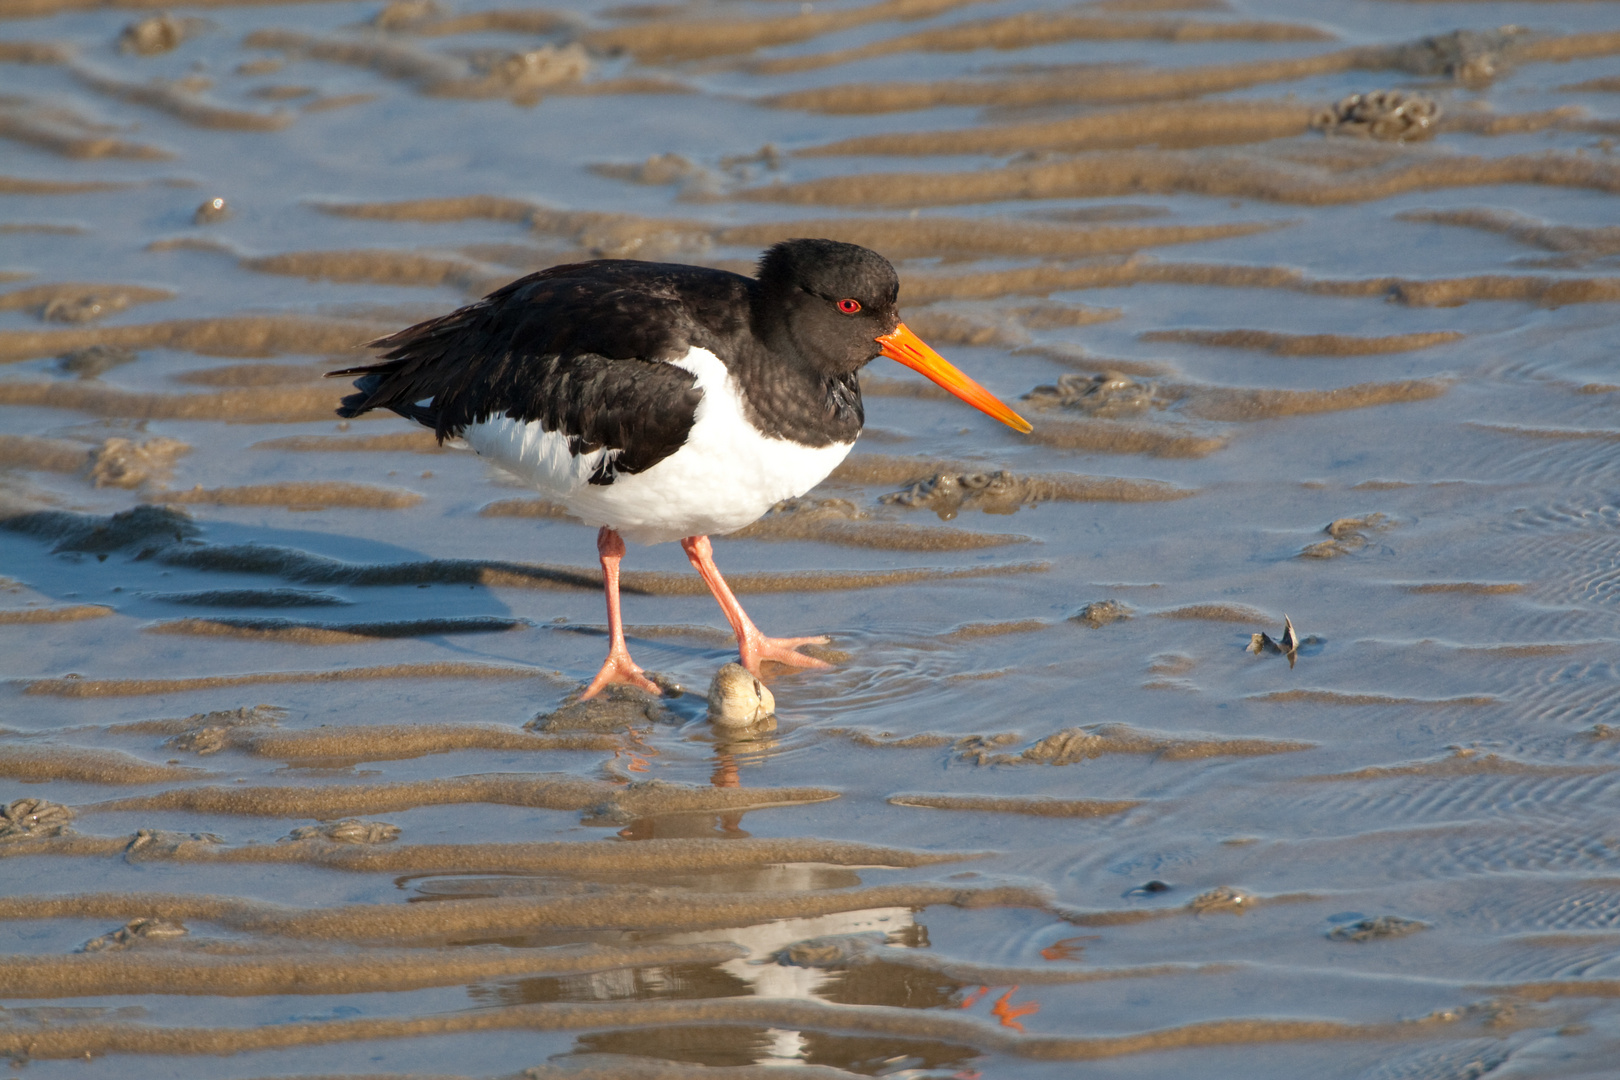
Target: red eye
{"type": "Point", "coordinates": [849, 307]}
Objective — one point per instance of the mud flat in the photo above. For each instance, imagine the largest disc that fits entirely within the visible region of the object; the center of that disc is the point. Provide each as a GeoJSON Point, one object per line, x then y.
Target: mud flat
{"type": "Point", "coordinates": [1314, 321]}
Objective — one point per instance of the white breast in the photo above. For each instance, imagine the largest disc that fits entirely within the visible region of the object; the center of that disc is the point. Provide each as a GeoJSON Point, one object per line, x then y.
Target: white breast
{"type": "Point", "coordinates": [726, 475]}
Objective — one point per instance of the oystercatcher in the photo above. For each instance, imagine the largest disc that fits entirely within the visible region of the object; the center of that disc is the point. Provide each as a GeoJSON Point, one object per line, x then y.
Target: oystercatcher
{"type": "Point", "coordinates": [663, 401]}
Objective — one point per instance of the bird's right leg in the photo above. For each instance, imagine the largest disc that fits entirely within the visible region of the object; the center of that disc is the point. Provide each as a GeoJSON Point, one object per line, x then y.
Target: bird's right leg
{"type": "Point", "coordinates": [752, 646]}
{"type": "Point", "coordinates": [618, 667]}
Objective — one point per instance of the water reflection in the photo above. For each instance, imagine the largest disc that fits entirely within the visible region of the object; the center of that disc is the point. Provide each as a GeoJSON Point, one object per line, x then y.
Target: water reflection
{"type": "Point", "coordinates": [726, 1045]}
{"type": "Point", "coordinates": [676, 982]}
{"type": "Point", "coordinates": [722, 1045]}
{"type": "Point", "coordinates": [837, 958]}
{"type": "Point", "coordinates": [826, 958]}
{"type": "Point", "coordinates": [732, 754]}
{"type": "Point", "coordinates": [834, 959]}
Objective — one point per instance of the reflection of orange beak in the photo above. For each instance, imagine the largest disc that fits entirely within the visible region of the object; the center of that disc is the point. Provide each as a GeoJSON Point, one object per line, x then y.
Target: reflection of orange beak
{"type": "Point", "coordinates": [908, 349]}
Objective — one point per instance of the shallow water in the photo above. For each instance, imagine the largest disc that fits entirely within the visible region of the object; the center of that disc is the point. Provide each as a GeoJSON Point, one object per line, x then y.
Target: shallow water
{"type": "Point", "coordinates": [1048, 815]}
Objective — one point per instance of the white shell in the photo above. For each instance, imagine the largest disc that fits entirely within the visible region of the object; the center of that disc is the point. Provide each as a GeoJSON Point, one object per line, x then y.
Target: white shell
{"type": "Point", "coordinates": [738, 700]}
{"type": "Point", "coordinates": [726, 475]}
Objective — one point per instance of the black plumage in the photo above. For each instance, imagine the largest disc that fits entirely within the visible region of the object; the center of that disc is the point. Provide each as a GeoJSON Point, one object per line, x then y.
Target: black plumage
{"type": "Point", "coordinates": [579, 352]}
{"type": "Point", "coordinates": [585, 348]}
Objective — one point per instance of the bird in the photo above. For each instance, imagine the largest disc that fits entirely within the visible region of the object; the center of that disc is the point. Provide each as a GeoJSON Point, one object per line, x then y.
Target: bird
{"type": "Point", "coordinates": [663, 401]}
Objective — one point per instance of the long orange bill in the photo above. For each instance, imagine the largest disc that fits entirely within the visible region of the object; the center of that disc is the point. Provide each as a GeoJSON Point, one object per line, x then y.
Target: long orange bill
{"type": "Point", "coordinates": [908, 349]}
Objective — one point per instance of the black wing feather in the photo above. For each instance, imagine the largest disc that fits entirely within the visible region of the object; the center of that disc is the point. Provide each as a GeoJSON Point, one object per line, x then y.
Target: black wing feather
{"type": "Point", "coordinates": [579, 348]}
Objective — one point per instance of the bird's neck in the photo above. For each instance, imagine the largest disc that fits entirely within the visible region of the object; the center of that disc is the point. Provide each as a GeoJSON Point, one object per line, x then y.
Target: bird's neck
{"type": "Point", "coordinates": [787, 399]}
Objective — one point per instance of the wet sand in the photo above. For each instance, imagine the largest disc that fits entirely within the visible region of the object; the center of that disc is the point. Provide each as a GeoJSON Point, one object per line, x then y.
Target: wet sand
{"type": "Point", "coordinates": [1312, 307]}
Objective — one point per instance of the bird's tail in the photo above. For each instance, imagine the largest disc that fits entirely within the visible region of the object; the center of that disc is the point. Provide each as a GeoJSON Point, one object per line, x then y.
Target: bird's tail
{"type": "Point", "coordinates": [373, 390]}
{"type": "Point", "coordinates": [372, 377]}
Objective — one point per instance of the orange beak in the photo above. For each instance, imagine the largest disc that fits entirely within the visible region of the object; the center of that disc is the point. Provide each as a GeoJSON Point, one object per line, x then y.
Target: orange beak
{"type": "Point", "coordinates": [908, 349]}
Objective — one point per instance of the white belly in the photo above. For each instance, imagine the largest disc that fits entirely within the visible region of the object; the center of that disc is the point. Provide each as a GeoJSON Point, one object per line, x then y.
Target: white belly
{"type": "Point", "coordinates": [724, 477]}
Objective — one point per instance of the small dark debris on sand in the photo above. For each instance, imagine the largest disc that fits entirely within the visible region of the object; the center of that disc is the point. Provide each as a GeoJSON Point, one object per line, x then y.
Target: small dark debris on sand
{"type": "Point", "coordinates": [164, 844]}
{"type": "Point", "coordinates": [1109, 395]}
{"type": "Point", "coordinates": [33, 819]}
{"type": "Point", "coordinates": [1223, 899]}
{"type": "Point", "coordinates": [949, 492]}
{"type": "Point", "coordinates": [982, 749]}
{"type": "Point", "coordinates": [204, 733]}
{"type": "Point", "coordinates": [95, 360]}
{"type": "Point", "coordinates": [133, 933]}
{"type": "Point", "coordinates": [661, 169]}
{"type": "Point", "coordinates": [1375, 929]}
{"type": "Point", "coordinates": [202, 742]}
{"type": "Point", "coordinates": [84, 308]}
{"type": "Point", "coordinates": [125, 463]}
{"type": "Point", "coordinates": [618, 708]}
{"type": "Point", "coordinates": [1346, 536]}
{"type": "Point", "coordinates": [1100, 613]}
{"type": "Point", "coordinates": [1386, 115]}
{"type": "Point", "coordinates": [998, 492]}
{"type": "Point", "coordinates": [1471, 57]}
{"type": "Point", "coordinates": [347, 831]}
{"type": "Point", "coordinates": [158, 34]}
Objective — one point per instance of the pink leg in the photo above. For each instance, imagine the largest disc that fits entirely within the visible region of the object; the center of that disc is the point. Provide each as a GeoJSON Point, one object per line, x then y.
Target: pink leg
{"type": "Point", "coordinates": [618, 667]}
{"type": "Point", "coordinates": [752, 646]}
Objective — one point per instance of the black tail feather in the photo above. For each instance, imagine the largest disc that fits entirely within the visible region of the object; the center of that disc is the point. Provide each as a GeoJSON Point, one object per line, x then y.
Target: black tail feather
{"type": "Point", "coordinates": [371, 381]}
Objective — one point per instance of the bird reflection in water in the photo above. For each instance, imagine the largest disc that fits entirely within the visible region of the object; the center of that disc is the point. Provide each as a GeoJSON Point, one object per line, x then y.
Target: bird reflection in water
{"type": "Point", "coordinates": [635, 756]}
{"type": "Point", "coordinates": [1003, 1010]}
{"type": "Point", "coordinates": [752, 750]}
{"type": "Point", "coordinates": [842, 958]}
{"type": "Point", "coordinates": [1068, 948]}
{"type": "Point", "coordinates": [742, 713]}
{"type": "Point", "coordinates": [743, 722]}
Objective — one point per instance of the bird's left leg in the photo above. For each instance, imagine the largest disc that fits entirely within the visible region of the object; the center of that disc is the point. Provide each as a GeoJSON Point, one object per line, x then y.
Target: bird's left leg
{"type": "Point", "coordinates": [752, 646]}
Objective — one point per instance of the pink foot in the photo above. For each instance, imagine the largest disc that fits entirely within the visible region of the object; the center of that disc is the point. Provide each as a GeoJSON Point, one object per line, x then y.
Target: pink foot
{"type": "Point", "coordinates": [756, 647]}
{"type": "Point", "coordinates": [619, 668]}
{"type": "Point", "coordinates": [753, 647]}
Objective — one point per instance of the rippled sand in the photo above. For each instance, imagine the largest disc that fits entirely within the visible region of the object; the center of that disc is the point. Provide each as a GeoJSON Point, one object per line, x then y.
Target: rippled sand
{"type": "Point", "coordinates": [290, 781]}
